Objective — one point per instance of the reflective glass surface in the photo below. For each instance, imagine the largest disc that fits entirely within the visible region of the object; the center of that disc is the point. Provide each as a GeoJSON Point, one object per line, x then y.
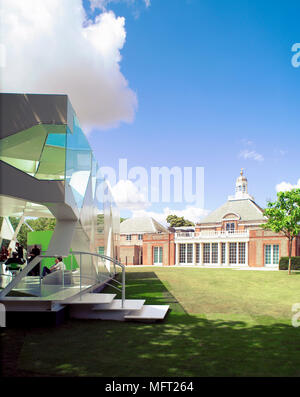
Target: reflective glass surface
{"type": "Point", "coordinates": [61, 152]}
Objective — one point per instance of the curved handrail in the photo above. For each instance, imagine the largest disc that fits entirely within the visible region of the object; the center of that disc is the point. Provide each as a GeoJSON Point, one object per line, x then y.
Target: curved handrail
{"type": "Point", "coordinates": [114, 261]}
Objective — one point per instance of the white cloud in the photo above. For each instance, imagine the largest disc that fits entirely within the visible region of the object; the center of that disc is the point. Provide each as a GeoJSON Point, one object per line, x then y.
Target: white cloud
{"type": "Point", "coordinates": [190, 213]}
{"type": "Point", "coordinates": [52, 48]}
{"type": "Point", "coordinates": [103, 4]}
{"type": "Point", "coordinates": [127, 196]}
{"type": "Point", "coordinates": [285, 186]}
{"type": "Point", "coordinates": [282, 152]}
{"type": "Point", "coordinates": [100, 4]}
{"type": "Point", "coordinates": [247, 142]}
{"type": "Point", "coordinates": [251, 155]}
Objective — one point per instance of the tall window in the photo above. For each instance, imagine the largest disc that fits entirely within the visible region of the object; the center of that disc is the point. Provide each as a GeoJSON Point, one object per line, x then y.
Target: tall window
{"type": "Point", "coordinates": [189, 253]}
{"type": "Point", "coordinates": [223, 259]}
{"type": "Point", "coordinates": [157, 255]}
{"type": "Point", "coordinates": [140, 237]}
{"type": "Point", "coordinates": [271, 254]}
{"type": "Point", "coordinates": [242, 253]}
{"type": "Point", "coordinates": [197, 253]}
{"type": "Point", "coordinates": [206, 253]}
{"type": "Point", "coordinates": [275, 254]}
{"type": "Point", "coordinates": [128, 237]}
{"type": "Point", "coordinates": [214, 252]}
{"type": "Point", "coordinates": [268, 254]}
{"type": "Point", "coordinates": [230, 227]}
{"type": "Point", "coordinates": [186, 253]}
{"type": "Point", "coordinates": [232, 253]}
{"type": "Point", "coordinates": [182, 252]}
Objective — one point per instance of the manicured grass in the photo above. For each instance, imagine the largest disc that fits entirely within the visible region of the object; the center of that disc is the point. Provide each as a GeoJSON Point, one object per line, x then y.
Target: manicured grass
{"type": "Point", "coordinates": [222, 323]}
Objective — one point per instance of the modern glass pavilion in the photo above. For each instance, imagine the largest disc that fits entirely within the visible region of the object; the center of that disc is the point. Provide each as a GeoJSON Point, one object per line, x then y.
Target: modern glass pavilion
{"type": "Point", "coordinates": [47, 169]}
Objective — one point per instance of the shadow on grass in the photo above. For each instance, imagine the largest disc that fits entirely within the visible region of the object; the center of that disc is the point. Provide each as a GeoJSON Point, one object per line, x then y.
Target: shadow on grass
{"type": "Point", "coordinates": [181, 345]}
{"type": "Point", "coordinates": [146, 285]}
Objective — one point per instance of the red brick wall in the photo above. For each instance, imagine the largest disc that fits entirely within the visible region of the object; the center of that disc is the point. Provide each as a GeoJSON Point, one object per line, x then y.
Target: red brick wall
{"type": "Point", "coordinates": [258, 239]}
{"type": "Point", "coordinates": [130, 254]}
{"type": "Point", "coordinates": [164, 240]}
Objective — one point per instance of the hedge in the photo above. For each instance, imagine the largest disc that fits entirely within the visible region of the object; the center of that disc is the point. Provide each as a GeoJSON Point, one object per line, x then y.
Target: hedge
{"type": "Point", "coordinates": [284, 263]}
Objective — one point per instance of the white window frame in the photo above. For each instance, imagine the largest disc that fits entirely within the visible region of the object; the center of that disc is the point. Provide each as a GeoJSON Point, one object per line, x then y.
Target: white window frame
{"type": "Point", "coordinates": [241, 253]}
{"type": "Point", "coordinates": [272, 263]}
{"type": "Point", "coordinates": [233, 253]}
{"type": "Point", "coordinates": [214, 249]}
{"type": "Point", "coordinates": [186, 251]}
{"type": "Point", "coordinates": [206, 253]}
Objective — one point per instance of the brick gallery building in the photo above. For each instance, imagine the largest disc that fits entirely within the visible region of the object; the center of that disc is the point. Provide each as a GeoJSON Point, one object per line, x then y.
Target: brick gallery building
{"type": "Point", "coordinates": [229, 236]}
{"type": "Point", "coordinates": [144, 241]}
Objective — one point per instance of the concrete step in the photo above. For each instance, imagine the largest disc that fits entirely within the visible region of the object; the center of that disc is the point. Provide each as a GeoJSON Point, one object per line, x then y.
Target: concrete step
{"type": "Point", "coordinates": [116, 304]}
{"type": "Point", "coordinates": [91, 299]}
{"type": "Point", "coordinates": [83, 312]}
{"type": "Point", "coordinates": [28, 304]}
{"type": "Point", "coordinates": [148, 313]}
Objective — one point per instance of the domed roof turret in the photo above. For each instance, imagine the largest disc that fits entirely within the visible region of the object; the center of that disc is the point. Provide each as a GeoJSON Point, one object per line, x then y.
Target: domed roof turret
{"type": "Point", "coordinates": [241, 188]}
{"type": "Point", "coordinates": [242, 177]}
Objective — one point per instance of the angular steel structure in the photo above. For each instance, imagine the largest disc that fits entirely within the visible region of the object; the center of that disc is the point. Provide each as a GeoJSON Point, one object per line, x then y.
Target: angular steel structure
{"type": "Point", "coordinates": [47, 169]}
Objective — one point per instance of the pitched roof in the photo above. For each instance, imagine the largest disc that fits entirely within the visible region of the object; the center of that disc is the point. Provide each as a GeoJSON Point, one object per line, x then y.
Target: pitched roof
{"type": "Point", "coordinates": [247, 210]}
{"type": "Point", "coordinates": [143, 224]}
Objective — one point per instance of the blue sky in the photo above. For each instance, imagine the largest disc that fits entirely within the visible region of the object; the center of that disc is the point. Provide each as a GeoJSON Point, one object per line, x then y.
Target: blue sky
{"type": "Point", "coordinates": [214, 81]}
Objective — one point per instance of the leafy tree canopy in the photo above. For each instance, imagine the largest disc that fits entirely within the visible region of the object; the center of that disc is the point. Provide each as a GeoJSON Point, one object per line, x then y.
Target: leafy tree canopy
{"type": "Point", "coordinates": [284, 216]}
{"type": "Point", "coordinates": [176, 221]}
{"type": "Point", "coordinates": [38, 224]}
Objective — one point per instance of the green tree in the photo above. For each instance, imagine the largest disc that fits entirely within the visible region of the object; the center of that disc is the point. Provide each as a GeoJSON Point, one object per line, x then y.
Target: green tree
{"type": "Point", "coordinates": [176, 221]}
{"type": "Point", "coordinates": [38, 224]}
{"type": "Point", "coordinates": [122, 219]}
{"type": "Point", "coordinates": [284, 216]}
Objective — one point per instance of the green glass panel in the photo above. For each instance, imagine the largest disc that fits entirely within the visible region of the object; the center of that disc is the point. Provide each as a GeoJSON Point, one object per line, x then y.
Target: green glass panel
{"type": "Point", "coordinates": [24, 145]}
{"type": "Point", "coordinates": [55, 128]}
{"type": "Point", "coordinates": [52, 163]}
{"type": "Point", "coordinates": [78, 162]}
{"type": "Point", "coordinates": [28, 166]}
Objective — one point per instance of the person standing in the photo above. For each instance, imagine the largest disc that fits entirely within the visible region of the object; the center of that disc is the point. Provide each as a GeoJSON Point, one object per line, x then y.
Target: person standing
{"type": "Point", "coordinates": [4, 254]}
{"type": "Point", "coordinates": [19, 251]}
{"type": "Point", "coordinates": [33, 253]}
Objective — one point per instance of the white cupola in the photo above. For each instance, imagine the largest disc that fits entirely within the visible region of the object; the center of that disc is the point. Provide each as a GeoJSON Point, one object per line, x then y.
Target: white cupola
{"type": "Point", "coordinates": [241, 188]}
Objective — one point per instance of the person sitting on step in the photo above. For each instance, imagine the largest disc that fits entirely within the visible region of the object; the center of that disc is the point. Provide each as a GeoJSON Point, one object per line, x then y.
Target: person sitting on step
{"type": "Point", "coordinates": [59, 265]}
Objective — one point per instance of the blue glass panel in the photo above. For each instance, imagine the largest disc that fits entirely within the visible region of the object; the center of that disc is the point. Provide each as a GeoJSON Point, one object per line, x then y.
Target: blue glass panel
{"type": "Point", "coordinates": [56, 140]}
{"type": "Point", "coordinates": [78, 162]}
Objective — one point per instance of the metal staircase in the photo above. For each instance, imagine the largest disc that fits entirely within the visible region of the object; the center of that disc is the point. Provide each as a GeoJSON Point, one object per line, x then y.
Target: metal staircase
{"type": "Point", "coordinates": [81, 301]}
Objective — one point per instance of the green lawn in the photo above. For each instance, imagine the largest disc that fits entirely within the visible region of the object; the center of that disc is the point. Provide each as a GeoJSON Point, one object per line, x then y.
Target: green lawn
{"type": "Point", "coordinates": [222, 322]}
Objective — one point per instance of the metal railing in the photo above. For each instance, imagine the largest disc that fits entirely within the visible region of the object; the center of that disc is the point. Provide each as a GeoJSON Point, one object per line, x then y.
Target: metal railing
{"type": "Point", "coordinates": [212, 234]}
{"type": "Point", "coordinates": [115, 263]}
